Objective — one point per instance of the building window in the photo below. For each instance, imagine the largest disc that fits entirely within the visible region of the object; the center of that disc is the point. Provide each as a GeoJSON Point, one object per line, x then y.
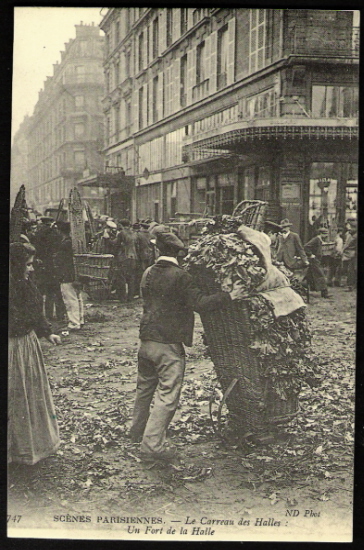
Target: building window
{"type": "Point", "coordinates": [141, 51]}
{"type": "Point", "coordinates": [80, 73]}
{"type": "Point", "coordinates": [141, 122]}
{"type": "Point", "coordinates": [155, 37]}
{"type": "Point", "coordinates": [155, 99]}
{"type": "Point", "coordinates": [117, 73]}
{"type": "Point", "coordinates": [261, 105]}
{"type": "Point", "coordinates": [169, 26]}
{"type": "Point", "coordinates": [263, 187]}
{"type": "Point", "coordinates": [82, 47]}
{"type": "Point", "coordinates": [117, 33]}
{"type": "Point", "coordinates": [79, 157]}
{"type": "Point", "coordinates": [196, 15]}
{"type": "Point", "coordinates": [183, 81]}
{"type": "Point", "coordinates": [107, 43]}
{"type": "Point", "coordinates": [257, 39]}
{"type": "Point", "coordinates": [117, 123]}
{"type": "Point", "coordinates": [108, 128]}
{"type": "Point", "coordinates": [79, 130]}
{"type": "Point", "coordinates": [335, 101]}
{"type": "Point", "coordinates": [184, 19]}
{"type": "Point", "coordinates": [222, 57]}
{"type": "Point", "coordinates": [107, 82]}
{"type": "Point", "coordinates": [79, 101]}
{"type": "Point", "coordinates": [127, 63]}
{"type": "Point", "coordinates": [201, 63]}
{"type": "Point", "coordinates": [127, 117]}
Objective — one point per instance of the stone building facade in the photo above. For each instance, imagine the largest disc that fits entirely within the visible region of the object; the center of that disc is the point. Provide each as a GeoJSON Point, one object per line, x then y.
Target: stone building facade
{"type": "Point", "coordinates": [206, 107]}
{"type": "Point", "coordinates": [65, 133]}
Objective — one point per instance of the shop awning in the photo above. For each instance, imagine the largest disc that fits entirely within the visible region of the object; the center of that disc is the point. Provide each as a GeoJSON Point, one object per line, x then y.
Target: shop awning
{"type": "Point", "coordinates": [261, 130]}
{"type": "Point", "coordinates": [118, 181]}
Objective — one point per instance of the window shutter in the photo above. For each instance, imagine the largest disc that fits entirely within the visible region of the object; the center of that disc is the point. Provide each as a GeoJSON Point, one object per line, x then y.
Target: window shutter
{"type": "Point", "coordinates": [136, 54]}
{"type": "Point", "coordinates": [213, 64]}
{"type": "Point", "coordinates": [160, 96]}
{"type": "Point", "coordinates": [145, 48]}
{"type": "Point", "coordinates": [150, 103]}
{"type": "Point", "coordinates": [190, 17]}
{"type": "Point", "coordinates": [170, 88]}
{"type": "Point", "coordinates": [150, 42]}
{"type": "Point", "coordinates": [145, 105]}
{"type": "Point", "coordinates": [191, 73]}
{"type": "Point", "coordinates": [231, 50]}
{"type": "Point", "coordinates": [162, 30]}
{"type": "Point", "coordinates": [208, 60]}
{"type": "Point", "coordinates": [134, 113]}
{"type": "Point", "coordinates": [176, 84]}
{"type": "Point", "coordinates": [176, 24]}
{"type": "Point", "coordinates": [122, 114]}
{"type": "Point", "coordinates": [166, 91]}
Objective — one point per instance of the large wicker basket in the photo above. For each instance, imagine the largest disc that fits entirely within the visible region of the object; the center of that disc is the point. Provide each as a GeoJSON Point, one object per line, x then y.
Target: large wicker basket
{"type": "Point", "coordinates": [253, 405]}
{"type": "Point", "coordinates": [251, 213]}
{"type": "Point", "coordinates": [93, 266]}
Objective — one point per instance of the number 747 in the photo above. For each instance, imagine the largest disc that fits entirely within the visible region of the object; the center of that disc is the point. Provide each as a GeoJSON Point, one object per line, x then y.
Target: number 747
{"type": "Point", "coordinates": [15, 519]}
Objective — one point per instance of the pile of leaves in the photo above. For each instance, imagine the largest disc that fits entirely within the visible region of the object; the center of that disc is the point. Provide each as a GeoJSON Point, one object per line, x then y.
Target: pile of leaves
{"type": "Point", "coordinates": [234, 262]}
{"type": "Point", "coordinates": [282, 345]}
{"type": "Point", "coordinates": [283, 348]}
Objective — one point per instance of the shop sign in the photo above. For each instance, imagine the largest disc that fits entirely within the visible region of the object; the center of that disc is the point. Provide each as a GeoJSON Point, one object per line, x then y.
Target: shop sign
{"type": "Point", "coordinates": [291, 191]}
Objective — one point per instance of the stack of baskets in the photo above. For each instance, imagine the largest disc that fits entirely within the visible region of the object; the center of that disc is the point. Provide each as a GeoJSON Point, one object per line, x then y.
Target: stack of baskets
{"type": "Point", "coordinates": [253, 405]}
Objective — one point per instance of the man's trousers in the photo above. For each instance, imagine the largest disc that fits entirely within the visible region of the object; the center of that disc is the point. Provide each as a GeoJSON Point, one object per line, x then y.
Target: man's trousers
{"type": "Point", "coordinates": [74, 305]}
{"type": "Point", "coordinates": [160, 375]}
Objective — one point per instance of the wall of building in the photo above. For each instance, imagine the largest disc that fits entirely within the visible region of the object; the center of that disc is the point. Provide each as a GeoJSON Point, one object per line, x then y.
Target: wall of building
{"type": "Point", "coordinates": [65, 132]}
{"type": "Point", "coordinates": [186, 82]}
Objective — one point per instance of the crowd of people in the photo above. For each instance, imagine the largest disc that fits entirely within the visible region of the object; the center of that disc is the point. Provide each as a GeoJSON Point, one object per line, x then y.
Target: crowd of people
{"type": "Point", "coordinates": [43, 287]}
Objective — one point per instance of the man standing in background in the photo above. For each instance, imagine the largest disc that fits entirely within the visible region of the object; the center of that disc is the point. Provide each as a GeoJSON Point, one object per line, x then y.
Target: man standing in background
{"type": "Point", "coordinates": [290, 249]}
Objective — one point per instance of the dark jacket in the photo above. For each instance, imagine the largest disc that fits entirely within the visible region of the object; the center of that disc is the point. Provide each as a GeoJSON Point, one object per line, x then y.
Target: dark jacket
{"type": "Point", "coordinates": [314, 246]}
{"type": "Point", "coordinates": [63, 262]}
{"type": "Point", "coordinates": [144, 247]}
{"type": "Point", "coordinates": [126, 242]}
{"type": "Point", "coordinates": [291, 251]}
{"type": "Point", "coordinates": [26, 310]}
{"type": "Point", "coordinates": [170, 298]}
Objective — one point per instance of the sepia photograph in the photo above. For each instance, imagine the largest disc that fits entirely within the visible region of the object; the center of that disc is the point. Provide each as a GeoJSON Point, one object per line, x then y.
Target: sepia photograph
{"type": "Point", "coordinates": [183, 274]}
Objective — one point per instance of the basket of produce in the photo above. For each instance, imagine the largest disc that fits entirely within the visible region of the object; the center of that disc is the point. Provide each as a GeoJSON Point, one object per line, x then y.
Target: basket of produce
{"type": "Point", "coordinates": [259, 346]}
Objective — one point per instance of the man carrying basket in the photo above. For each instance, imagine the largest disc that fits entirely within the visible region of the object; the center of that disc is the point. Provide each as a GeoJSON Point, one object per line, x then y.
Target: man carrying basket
{"type": "Point", "coordinates": [170, 297]}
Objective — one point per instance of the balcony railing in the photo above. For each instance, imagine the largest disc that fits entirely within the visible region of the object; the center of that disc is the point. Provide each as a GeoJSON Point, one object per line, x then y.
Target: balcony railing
{"type": "Point", "coordinates": [201, 90]}
{"type": "Point", "coordinates": [323, 40]}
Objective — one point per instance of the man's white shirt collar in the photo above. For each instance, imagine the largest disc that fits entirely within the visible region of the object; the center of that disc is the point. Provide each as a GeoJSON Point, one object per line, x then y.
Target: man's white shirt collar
{"type": "Point", "coordinates": [168, 259]}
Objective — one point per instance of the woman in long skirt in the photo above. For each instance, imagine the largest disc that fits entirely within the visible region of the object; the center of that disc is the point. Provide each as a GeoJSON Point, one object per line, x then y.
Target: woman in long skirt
{"type": "Point", "coordinates": [32, 424]}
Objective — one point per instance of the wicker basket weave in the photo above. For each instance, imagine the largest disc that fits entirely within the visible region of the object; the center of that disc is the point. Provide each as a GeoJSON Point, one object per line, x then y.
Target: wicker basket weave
{"type": "Point", "coordinates": [253, 405]}
{"type": "Point", "coordinates": [251, 213]}
{"type": "Point", "coordinates": [93, 266]}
